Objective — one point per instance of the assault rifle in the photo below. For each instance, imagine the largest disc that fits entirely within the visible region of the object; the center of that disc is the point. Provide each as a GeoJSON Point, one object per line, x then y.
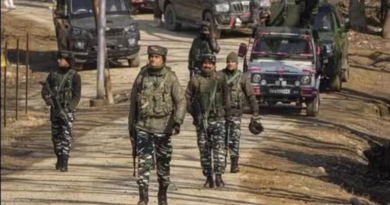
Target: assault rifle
{"type": "Point", "coordinates": [200, 120]}
{"type": "Point", "coordinates": [134, 147]}
{"type": "Point", "coordinates": [57, 107]}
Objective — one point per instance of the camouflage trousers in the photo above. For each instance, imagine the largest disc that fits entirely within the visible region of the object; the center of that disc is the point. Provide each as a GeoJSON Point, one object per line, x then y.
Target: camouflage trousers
{"type": "Point", "coordinates": [61, 137]}
{"type": "Point", "coordinates": [213, 149]}
{"type": "Point", "coordinates": [234, 137]}
{"type": "Point", "coordinates": [149, 144]}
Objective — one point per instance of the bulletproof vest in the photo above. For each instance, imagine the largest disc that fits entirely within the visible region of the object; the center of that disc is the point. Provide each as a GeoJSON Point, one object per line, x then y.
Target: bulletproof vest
{"type": "Point", "coordinates": [209, 94]}
{"type": "Point", "coordinates": [154, 95]}
{"type": "Point", "coordinates": [201, 47]}
{"type": "Point", "coordinates": [236, 94]}
{"type": "Point", "coordinates": [61, 84]}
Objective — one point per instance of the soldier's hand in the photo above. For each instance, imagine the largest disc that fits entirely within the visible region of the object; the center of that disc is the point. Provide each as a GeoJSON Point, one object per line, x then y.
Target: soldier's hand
{"type": "Point", "coordinates": [48, 100]}
{"type": "Point", "coordinates": [176, 129]}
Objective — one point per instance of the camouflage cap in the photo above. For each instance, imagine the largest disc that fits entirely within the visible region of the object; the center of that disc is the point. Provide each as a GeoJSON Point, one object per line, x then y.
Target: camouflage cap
{"type": "Point", "coordinates": [208, 58]}
{"type": "Point", "coordinates": [158, 50]}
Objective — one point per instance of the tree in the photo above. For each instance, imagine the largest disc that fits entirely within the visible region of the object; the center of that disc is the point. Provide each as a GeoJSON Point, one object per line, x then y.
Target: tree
{"type": "Point", "coordinates": [357, 15]}
{"type": "Point", "coordinates": [386, 24]}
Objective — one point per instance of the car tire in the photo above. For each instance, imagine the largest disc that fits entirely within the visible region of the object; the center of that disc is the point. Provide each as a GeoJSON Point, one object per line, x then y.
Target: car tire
{"type": "Point", "coordinates": [335, 83]}
{"type": "Point", "coordinates": [135, 62]}
{"type": "Point", "coordinates": [214, 31]}
{"type": "Point", "coordinates": [312, 106]}
{"type": "Point", "coordinates": [170, 16]}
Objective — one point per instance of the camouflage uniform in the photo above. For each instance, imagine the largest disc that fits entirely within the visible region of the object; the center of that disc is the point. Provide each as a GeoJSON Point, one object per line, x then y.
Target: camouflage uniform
{"type": "Point", "coordinates": [65, 83]}
{"type": "Point", "coordinates": [201, 89]}
{"type": "Point", "coordinates": [157, 109]}
{"type": "Point", "coordinates": [203, 44]}
{"type": "Point", "coordinates": [240, 89]}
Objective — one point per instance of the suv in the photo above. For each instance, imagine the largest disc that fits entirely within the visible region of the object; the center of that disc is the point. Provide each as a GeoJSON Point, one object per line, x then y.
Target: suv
{"type": "Point", "coordinates": [222, 14]}
{"type": "Point", "coordinates": [76, 31]}
{"type": "Point", "coordinates": [332, 30]}
{"type": "Point", "coordinates": [283, 63]}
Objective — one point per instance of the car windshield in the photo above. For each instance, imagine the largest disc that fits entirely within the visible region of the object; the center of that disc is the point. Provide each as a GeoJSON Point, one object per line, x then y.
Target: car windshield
{"type": "Point", "coordinates": [283, 47]}
{"type": "Point", "coordinates": [85, 7]}
{"type": "Point", "coordinates": [323, 20]}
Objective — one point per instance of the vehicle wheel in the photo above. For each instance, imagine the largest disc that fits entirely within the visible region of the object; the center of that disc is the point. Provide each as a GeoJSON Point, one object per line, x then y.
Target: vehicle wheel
{"type": "Point", "coordinates": [345, 76]}
{"type": "Point", "coordinates": [214, 31]}
{"type": "Point", "coordinates": [335, 83]}
{"type": "Point", "coordinates": [135, 62]}
{"type": "Point", "coordinates": [171, 23]}
{"type": "Point", "coordinates": [312, 106]}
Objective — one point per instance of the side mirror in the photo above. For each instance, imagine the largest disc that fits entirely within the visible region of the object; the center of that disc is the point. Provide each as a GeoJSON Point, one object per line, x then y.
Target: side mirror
{"type": "Point", "coordinates": [242, 50]}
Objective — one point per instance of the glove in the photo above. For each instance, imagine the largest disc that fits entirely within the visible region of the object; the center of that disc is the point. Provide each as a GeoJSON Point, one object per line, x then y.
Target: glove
{"type": "Point", "coordinates": [176, 129]}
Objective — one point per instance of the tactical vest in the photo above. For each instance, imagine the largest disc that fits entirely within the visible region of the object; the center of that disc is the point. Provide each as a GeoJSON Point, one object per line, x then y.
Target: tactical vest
{"type": "Point", "coordinates": [236, 94]}
{"type": "Point", "coordinates": [201, 47]}
{"type": "Point", "coordinates": [66, 79]}
{"type": "Point", "coordinates": [209, 94]}
{"type": "Point", "coordinates": [154, 95]}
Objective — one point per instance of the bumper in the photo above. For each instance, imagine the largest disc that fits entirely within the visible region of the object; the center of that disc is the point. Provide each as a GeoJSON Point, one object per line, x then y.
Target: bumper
{"type": "Point", "coordinates": [91, 56]}
{"type": "Point", "coordinates": [234, 21]}
{"type": "Point", "coordinates": [274, 93]}
{"type": "Point", "coordinates": [149, 4]}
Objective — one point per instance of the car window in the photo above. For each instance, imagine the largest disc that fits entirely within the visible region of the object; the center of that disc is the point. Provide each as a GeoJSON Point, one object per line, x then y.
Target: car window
{"type": "Point", "coordinates": [86, 6]}
{"type": "Point", "coordinates": [324, 20]}
{"type": "Point", "coordinates": [282, 45]}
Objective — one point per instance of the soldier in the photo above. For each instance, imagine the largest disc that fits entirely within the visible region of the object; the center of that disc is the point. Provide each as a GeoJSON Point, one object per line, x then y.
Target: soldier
{"type": "Point", "coordinates": [157, 13]}
{"type": "Point", "coordinates": [65, 85]}
{"type": "Point", "coordinates": [208, 101]}
{"type": "Point", "coordinates": [240, 89]}
{"type": "Point", "coordinates": [157, 110]}
{"type": "Point", "coordinates": [205, 43]}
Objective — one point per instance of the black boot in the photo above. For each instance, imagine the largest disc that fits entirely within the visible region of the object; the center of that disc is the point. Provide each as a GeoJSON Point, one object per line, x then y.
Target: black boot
{"type": "Point", "coordinates": [162, 195]}
{"type": "Point", "coordinates": [234, 166]}
{"type": "Point", "coordinates": [143, 195]}
{"type": "Point", "coordinates": [218, 181]}
{"type": "Point", "coordinates": [58, 164]}
{"type": "Point", "coordinates": [209, 182]}
{"type": "Point", "coordinates": [64, 164]}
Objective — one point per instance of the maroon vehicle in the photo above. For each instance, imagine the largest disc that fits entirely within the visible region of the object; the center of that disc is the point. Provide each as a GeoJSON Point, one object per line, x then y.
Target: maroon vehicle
{"type": "Point", "coordinates": [137, 5]}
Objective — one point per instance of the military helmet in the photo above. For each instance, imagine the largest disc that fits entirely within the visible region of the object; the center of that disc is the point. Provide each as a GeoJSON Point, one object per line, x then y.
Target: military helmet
{"type": "Point", "coordinates": [208, 58]}
{"type": "Point", "coordinates": [255, 127]}
{"type": "Point", "coordinates": [157, 50]}
{"type": "Point", "coordinates": [68, 56]}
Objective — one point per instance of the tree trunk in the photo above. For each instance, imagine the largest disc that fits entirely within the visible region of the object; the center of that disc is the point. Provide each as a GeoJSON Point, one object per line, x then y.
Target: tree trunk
{"type": "Point", "coordinates": [357, 15]}
{"type": "Point", "coordinates": [386, 26]}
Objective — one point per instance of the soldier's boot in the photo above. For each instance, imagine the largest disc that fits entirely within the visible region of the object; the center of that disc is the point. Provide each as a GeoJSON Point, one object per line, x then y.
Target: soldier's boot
{"type": "Point", "coordinates": [162, 195]}
{"type": "Point", "coordinates": [59, 161]}
{"type": "Point", "coordinates": [234, 166]}
{"type": "Point", "coordinates": [64, 164]}
{"type": "Point", "coordinates": [209, 182]}
{"type": "Point", "coordinates": [143, 195]}
{"type": "Point", "coordinates": [218, 181]}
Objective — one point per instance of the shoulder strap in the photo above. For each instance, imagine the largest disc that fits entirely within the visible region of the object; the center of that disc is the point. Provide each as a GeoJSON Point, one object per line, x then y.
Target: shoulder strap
{"type": "Point", "coordinates": [212, 97]}
{"type": "Point", "coordinates": [63, 80]}
{"type": "Point", "coordinates": [237, 74]}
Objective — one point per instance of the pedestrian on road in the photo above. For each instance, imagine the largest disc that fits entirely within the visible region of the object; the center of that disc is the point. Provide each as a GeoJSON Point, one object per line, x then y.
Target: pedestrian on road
{"type": "Point", "coordinates": [65, 87]}
{"type": "Point", "coordinates": [157, 110]}
{"type": "Point", "coordinates": [240, 89]}
{"type": "Point", "coordinates": [205, 43]}
{"type": "Point", "coordinates": [208, 101]}
{"type": "Point", "coordinates": [9, 4]}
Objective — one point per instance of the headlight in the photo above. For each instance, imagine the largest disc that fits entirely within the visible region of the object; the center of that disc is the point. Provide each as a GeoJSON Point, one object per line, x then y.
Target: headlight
{"type": "Point", "coordinates": [222, 7]}
{"type": "Point", "coordinates": [79, 44]}
{"type": "Point", "coordinates": [132, 41]}
{"type": "Point", "coordinates": [305, 80]}
{"type": "Point", "coordinates": [265, 4]}
{"type": "Point", "coordinates": [329, 48]}
{"type": "Point", "coordinates": [131, 28]}
{"type": "Point", "coordinates": [256, 78]}
{"type": "Point", "coordinates": [79, 32]}
{"type": "Point", "coordinates": [263, 82]}
{"type": "Point", "coordinates": [297, 83]}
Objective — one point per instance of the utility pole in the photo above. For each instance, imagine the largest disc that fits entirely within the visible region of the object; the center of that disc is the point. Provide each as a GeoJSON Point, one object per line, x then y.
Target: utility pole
{"type": "Point", "coordinates": [103, 73]}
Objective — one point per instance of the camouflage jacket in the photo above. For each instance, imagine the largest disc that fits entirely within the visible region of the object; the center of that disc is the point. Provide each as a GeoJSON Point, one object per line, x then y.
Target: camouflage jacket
{"type": "Point", "coordinates": [156, 101]}
{"type": "Point", "coordinates": [241, 90]}
{"type": "Point", "coordinates": [199, 47]}
{"type": "Point", "coordinates": [200, 88]}
{"type": "Point", "coordinates": [69, 92]}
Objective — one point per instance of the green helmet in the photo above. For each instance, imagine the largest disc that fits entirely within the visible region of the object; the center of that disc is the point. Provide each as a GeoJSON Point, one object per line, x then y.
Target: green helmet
{"type": "Point", "coordinates": [208, 58]}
